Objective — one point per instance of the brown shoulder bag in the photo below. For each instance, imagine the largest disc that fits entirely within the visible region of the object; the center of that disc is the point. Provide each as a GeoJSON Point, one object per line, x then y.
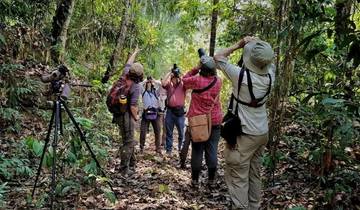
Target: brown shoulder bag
{"type": "Point", "coordinates": [200, 125]}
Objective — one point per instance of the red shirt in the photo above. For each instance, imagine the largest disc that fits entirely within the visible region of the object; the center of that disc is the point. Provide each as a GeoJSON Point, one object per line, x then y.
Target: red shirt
{"type": "Point", "coordinates": [175, 94]}
{"type": "Point", "coordinates": [201, 103]}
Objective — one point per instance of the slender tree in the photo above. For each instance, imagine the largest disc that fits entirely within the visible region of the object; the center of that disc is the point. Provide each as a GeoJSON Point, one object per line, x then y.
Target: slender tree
{"type": "Point", "coordinates": [113, 62]}
{"type": "Point", "coordinates": [60, 26]}
{"type": "Point", "coordinates": [214, 18]}
{"type": "Point", "coordinates": [284, 12]}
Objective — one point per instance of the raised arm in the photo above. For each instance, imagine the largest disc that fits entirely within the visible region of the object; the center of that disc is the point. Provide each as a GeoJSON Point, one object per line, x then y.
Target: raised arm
{"type": "Point", "coordinates": [227, 51]}
{"type": "Point", "coordinates": [133, 56]}
{"type": "Point", "coordinates": [165, 81]}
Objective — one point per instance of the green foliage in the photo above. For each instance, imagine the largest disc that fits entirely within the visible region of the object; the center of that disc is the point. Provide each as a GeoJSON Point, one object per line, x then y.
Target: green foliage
{"type": "Point", "coordinates": [14, 167]}
{"type": "Point", "coordinates": [110, 196]}
{"type": "Point", "coordinates": [34, 145]}
{"type": "Point", "coordinates": [269, 161]}
{"type": "Point", "coordinates": [170, 31]}
{"type": "Point", "coordinates": [63, 187]}
{"type": "Point", "coordinates": [10, 115]}
{"type": "Point", "coordinates": [163, 188]}
{"type": "Point", "coordinates": [3, 190]}
{"type": "Point", "coordinates": [298, 208]}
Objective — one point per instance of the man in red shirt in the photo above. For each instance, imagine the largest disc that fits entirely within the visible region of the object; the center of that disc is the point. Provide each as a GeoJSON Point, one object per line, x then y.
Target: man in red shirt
{"type": "Point", "coordinates": [204, 78]}
{"type": "Point", "coordinates": [175, 114]}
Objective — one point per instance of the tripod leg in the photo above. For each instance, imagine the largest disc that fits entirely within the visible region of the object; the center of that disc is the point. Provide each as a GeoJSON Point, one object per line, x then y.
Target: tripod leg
{"type": "Point", "coordinates": [54, 145]}
{"type": "Point", "coordinates": [83, 139]}
{"type": "Point", "coordinates": [60, 120]}
{"type": "Point", "coordinates": [47, 139]}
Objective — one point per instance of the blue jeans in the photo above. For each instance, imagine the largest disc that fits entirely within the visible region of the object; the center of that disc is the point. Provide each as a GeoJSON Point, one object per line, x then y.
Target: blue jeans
{"type": "Point", "coordinates": [172, 120]}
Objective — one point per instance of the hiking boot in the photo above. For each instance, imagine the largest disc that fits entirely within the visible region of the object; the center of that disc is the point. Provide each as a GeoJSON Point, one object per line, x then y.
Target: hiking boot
{"type": "Point", "coordinates": [195, 184]}
{"type": "Point", "coordinates": [182, 165]}
{"type": "Point", "coordinates": [212, 184]}
{"type": "Point", "coordinates": [158, 151]}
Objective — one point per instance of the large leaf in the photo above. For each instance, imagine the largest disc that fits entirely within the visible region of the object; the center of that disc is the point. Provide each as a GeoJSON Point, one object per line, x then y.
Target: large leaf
{"type": "Point", "coordinates": [332, 102]}
{"type": "Point", "coordinates": [2, 40]}
{"type": "Point", "coordinates": [37, 147]}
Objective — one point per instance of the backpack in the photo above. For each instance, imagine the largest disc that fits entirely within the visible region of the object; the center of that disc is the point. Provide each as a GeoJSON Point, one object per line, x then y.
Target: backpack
{"type": "Point", "coordinates": [118, 97]}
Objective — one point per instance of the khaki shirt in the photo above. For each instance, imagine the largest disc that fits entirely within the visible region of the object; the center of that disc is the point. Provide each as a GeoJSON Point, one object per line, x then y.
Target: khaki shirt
{"type": "Point", "coordinates": [253, 120]}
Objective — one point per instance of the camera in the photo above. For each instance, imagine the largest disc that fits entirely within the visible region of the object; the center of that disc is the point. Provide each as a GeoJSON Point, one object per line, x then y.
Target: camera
{"type": "Point", "coordinates": [57, 85]}
{"type": "Point", "coordinates": [176, 71]}
{"type": "Point", "coordinates": [201, 52]}
{"type": "Point", "coordinates": [57, 74]}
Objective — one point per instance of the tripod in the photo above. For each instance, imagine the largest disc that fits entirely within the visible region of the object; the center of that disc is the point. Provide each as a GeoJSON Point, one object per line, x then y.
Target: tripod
{"type": "Point", "coordinates": [56, 118]}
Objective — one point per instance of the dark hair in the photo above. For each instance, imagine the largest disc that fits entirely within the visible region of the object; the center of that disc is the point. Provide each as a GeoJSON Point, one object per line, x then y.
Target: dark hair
{"type": "Point", "coordinates": [135, 78]}
{"type": "Point", "coordinates": [207, 72]}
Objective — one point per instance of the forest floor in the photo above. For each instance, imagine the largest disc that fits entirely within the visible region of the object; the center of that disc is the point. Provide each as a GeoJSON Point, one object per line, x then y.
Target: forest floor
{"type": "Point", "coordinates": [159, 183]}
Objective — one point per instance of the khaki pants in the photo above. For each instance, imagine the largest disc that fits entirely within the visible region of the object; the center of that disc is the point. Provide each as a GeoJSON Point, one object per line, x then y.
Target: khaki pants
{"type": "Point", "coordinates": [242, 171]}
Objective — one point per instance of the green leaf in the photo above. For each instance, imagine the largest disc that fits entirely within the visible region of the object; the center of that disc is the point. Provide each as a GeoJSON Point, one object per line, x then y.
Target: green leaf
{"type": "Point", "coordinates": [29, 141]}
{"type": "Point", "coordinates": [37, 147]}
{"type": "Point", "coordinates": [2, 39]}
{"type": "Point", "coordinates": [298, 208]}
{"type": "Point", "coordinates": [163, 188]}
{"type": "Point", "coordinates": [85, 122]}
{"type": "Point", "coordinates": [65, 190]}
{"type": "Point", "coordinates": [110, 196]}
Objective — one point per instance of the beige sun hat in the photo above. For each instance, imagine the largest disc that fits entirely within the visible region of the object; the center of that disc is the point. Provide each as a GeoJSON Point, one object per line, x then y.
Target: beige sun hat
{"type": "Point", "coordinates": [258, 56]}
{"type": "Point", "coordinates": [137, 69]}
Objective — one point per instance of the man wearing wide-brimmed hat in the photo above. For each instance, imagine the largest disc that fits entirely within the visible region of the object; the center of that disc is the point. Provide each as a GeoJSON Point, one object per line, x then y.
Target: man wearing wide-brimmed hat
{"type": "Point", "coordinates": [251, 83]}
{"type": "Point", "coordinates": [131, 77]}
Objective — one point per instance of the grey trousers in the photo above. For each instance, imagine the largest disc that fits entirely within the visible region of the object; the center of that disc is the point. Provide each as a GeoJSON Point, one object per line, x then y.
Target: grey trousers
{"type": "Point", "coordinates": [126, 125]}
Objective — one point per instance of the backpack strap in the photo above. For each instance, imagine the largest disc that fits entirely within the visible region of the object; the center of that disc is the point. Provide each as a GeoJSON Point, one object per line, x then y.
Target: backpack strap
{"type": "Point", "coordinates": [254, 101]}
{"type": "Point", "coordinates": [241, 76]}
{"type": "Point", "coordinates": [198, 91]}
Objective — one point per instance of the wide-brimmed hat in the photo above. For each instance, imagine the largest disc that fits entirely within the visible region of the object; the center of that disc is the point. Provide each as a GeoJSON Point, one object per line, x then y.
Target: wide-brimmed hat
{"type": "Point", "coordinates": [136, 72]}
{"type": "Point", "coordinates": [137, 69]}
{"type": "Point", "coordinates": [258, 56]}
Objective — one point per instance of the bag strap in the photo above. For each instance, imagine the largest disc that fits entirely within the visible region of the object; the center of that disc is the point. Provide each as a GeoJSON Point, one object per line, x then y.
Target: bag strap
{"type": "Point", "coordinates": [214, 102]}
{"type": "Point", "coordinates": [198, 91]}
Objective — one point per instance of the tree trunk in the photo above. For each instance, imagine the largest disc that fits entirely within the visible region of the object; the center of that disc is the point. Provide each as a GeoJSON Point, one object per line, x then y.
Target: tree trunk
{"type": "Point", "coordinates": [343, 30]}
{"type": "Point", "coordinates": [284, 75]}
{"type": "Point", "coordinates": [113, 62]}
{"type": "Point", "coordinates": [60, 26]}
{"type": "Point", "coordinates": [214, 17]}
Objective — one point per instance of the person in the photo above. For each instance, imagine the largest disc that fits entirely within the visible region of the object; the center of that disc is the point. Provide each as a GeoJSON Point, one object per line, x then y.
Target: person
{"type": "Point", "coordinates": [175, 113]}
{"type": "Point", "coordinates": [242, 171]}
{"type": "Point", "coordinates": [131, 76]}
{"type": "Point", "coordinates": [203, 78]}
{"type": "Point", "coordinates": [185, 147]}
{"type": "Point", "coordinates": [162, 110]}
{"type": "Point", "coordinates": [150, 97]}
